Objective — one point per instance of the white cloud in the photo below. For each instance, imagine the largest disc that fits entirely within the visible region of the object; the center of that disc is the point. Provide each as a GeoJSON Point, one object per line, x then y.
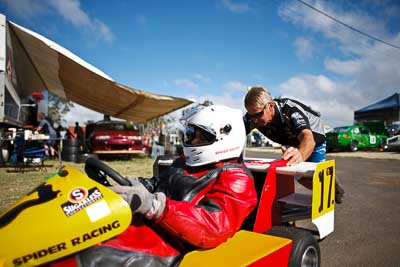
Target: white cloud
{"type": "Point", "coordinates": [323, 95]}
{"type": "Point", "coordinates": [25, 8]}
{"type": "Point", "coordinates": [304, 48]}
{"type": "Point", "coordinates": [186, 83]}
{"type": "Point", "coordinates": [343, 67]}
{"type": "Point", "coordinates": [81, 114]}
{"type": "Point", "coordinates": [69, 10]}
{"type": "Point", "coordinates": [226, 99]}
{"type": "Point", "coordinates": [235, 7]}
{"type": "Point", "coordinates": [366, 71]}
{"type": "Point", "coordinates": [202, 78]}
{"type": "Point", "coordinates": [104, 31]}
{"type": "Point", "coordinates": [235, 85]}
{"type": "Point", "coordinates": [196, 81]}
{"type": "Point", "coordinates": [349, 41]}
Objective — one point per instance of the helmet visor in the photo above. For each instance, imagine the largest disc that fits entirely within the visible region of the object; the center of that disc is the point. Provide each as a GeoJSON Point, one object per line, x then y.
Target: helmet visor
{"type": "Point", "coordinates": [197, 135]}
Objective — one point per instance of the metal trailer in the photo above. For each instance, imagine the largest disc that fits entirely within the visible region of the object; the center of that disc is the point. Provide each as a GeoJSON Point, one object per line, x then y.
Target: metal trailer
{"type": "Point", "coordinates": [18, 80]}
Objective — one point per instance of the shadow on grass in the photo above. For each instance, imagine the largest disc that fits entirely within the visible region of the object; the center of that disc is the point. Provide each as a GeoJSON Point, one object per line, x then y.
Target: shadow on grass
{"type": "Point", "coordinates": [27, 168]}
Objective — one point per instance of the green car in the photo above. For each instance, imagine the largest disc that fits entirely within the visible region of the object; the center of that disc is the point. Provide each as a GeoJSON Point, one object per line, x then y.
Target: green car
{"type": "Point", "coordinates": [353, 138]}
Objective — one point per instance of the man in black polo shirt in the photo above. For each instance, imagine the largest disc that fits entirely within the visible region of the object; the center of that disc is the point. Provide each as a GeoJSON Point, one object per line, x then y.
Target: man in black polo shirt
{"type": "Point", "coordinates": [290, 123]}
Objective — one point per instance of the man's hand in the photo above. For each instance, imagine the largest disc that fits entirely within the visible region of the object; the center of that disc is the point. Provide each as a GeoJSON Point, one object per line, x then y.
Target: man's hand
{"type": "Point", "coordinates": [292, 154]}
{"type": "Point", "coordinates": [141, 200]}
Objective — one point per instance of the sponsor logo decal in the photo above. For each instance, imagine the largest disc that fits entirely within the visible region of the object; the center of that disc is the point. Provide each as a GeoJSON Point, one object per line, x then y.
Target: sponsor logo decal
{"type": "Point", "coordinates": [226, 150]}
{"type": "Point", "coordinates": [299, 119]}
{"type": "Point", "coordinates": [79, 198]}
{"type": "Point", "coordinates": [77, 194]}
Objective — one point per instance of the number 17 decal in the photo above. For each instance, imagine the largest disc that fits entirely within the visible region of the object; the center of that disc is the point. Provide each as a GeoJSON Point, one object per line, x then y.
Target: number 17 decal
{"type": "Point", "coordinates": [321, 175]}
{"type": "Point", "coordinates": [323, 188]}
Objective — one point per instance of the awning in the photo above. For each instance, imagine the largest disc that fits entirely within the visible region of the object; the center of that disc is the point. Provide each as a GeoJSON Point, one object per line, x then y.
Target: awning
{"type": "Point", "coordinates": [391, 102]}
{"type": "Point", "coordinates": [66, 75]}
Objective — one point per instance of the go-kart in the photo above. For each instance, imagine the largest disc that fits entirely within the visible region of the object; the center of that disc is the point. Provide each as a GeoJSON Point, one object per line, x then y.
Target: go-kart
{"type": "Point", "coordinates": [70, 212]}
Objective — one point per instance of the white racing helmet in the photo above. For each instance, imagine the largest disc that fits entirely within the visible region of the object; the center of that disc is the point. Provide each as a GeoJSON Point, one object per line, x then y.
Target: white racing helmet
{"type": "Point", "coordinates": [223, 134]}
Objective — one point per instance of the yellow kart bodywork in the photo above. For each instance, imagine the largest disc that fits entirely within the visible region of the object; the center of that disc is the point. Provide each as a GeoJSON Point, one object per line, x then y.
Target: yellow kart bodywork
{"type": "Point", "coordinates": [243, 249]}
{"type": "Point", "coordinates": [67, 213]}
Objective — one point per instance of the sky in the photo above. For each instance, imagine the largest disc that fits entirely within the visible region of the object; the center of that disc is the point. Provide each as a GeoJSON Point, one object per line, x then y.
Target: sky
{"type": "Point", "coordinates": [215, 49]}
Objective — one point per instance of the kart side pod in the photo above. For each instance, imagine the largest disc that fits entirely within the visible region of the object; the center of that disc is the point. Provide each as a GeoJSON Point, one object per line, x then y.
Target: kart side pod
{"type": "Point", "coordinates": [243, 249]}
{"type": "Point", "coordinates": [66, 214]}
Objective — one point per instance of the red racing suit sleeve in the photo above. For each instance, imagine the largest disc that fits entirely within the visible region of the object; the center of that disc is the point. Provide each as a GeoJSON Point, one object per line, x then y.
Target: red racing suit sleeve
{"type": "Point", "coordinates": [215, 214]}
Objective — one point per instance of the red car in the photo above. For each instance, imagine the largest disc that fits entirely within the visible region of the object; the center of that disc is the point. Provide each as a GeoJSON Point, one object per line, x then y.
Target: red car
{"type": "Point", "coordinates": [114, 137]}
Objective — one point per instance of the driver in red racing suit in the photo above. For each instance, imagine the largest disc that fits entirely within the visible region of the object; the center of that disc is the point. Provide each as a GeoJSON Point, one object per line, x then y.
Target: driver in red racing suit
{"type": "Point", "coordinates": [197, 203]}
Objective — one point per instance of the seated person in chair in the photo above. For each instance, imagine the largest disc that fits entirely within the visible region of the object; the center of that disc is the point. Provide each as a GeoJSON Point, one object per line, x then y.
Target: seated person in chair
{"type": "Point", "coordinates": [197, 203]}
{"type": "Point", "coordinates": [46, 127]}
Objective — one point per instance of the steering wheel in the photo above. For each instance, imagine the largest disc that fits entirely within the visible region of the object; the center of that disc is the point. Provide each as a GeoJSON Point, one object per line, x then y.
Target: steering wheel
{"type": "Point", "coordinates": [99, 171]}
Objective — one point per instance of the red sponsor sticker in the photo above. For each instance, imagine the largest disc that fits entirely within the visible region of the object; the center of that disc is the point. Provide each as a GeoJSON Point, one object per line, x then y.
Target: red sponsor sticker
{"type": "Point", "coordinates": [226, 150]}
{"type": "Point", "coordinates": [77, 194]}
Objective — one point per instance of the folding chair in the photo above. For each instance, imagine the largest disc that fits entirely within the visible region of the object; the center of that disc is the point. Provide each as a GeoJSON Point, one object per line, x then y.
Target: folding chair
{"type": "Point", "coordinates": [28, 157]}
{"type": "Point", "coordinates": [35, 157]}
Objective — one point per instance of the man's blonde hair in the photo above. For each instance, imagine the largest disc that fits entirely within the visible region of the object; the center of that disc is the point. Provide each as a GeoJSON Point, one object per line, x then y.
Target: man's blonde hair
{"type": "Point", "coordinates": [257, 97]}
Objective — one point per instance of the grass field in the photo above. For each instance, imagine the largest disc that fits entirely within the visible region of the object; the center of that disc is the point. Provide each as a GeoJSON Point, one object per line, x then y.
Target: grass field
{"type": "Point", "coordinates": [14, 185]}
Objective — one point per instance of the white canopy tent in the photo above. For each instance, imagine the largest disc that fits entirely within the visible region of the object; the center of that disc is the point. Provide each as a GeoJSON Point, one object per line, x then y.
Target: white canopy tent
{"type": "Point", "coordinates": [44, 65]}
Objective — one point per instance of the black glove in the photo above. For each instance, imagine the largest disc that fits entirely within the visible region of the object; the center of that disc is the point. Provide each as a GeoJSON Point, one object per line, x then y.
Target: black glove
{"type": "Point", "coordinates": [141, 200]}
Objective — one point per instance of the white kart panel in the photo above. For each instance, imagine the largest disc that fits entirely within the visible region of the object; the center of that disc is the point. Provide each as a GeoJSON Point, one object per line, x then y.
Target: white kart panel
{"type": "Point", "coordinates": [325, 224]}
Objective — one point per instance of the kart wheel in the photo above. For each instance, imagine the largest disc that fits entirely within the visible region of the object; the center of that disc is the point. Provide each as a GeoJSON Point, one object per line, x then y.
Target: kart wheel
{"type": "Point", "coordinates": [353, 146]}
{"type": "Point", "coordinates": [305, 249]}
